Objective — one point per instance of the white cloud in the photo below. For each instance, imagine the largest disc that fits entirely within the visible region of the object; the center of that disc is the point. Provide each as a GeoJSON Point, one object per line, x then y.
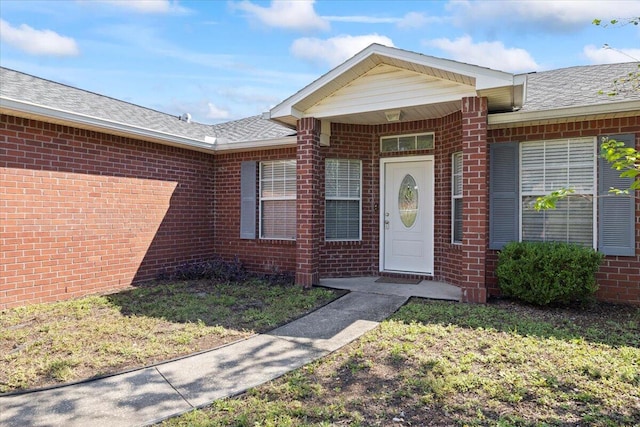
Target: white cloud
{"type": "Point", "coordinates": [147, 6]}
{"type": "Point", "coordinates": [361, 19]}
{"type": "Point", "coordinates": [607, 55]}
{"type": "Point", "coordinates": [216, 113]}
{"type": "Point", "coordinates": [296, 15]}
{"type": "Point", "coordinates": [335, 50]}
{"type": "Point", "coordinates": [558, 15]}
{"type": "Point", "coordinates": [487, 54]}
{"type": "Point", "coordinates": [409, 20]}
{"type": "Point", "coordinates": [414, 20]}
{"type": "Point", "coordinates": [37, 42]}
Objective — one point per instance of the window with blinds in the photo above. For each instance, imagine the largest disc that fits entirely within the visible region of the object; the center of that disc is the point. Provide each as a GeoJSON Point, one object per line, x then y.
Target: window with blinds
{"type": "Point", "coordinates": [343, 207]}
{"type": "Point", "coordinates": [278, 199]}
{"type": "Point", "coordinates": [456, 198]}
{"type": "Point", "coordinates": [546, 166]}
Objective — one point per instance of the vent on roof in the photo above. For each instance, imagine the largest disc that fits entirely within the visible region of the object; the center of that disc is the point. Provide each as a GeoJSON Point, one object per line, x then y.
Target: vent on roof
{"type": "Point", "coordinates": [186, 117]}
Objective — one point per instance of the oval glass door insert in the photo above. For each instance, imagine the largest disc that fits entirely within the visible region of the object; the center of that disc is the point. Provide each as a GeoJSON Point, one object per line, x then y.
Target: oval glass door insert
{"type": "Point", "coordinates": [408, 201]}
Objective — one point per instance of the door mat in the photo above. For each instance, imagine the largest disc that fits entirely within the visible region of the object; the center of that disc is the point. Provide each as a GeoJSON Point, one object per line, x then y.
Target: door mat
{"type": "Point", "coordinates": [398, 280]}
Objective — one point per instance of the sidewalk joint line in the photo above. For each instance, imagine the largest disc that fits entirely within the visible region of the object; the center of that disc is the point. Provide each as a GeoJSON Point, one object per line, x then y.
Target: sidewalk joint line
{"type": "Point", "coordinates": [172, 386]}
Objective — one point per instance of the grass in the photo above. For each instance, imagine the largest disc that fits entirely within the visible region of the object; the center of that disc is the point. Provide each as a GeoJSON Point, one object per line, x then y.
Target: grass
{"type": "Point", "coordinates": [448, 364]}
{"type": "Point", "coordinates": [49, 344]}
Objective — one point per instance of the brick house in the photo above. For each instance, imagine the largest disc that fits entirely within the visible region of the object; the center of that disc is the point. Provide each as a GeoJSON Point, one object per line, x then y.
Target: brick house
{"type": "Point", "coordinates": [393, 163]}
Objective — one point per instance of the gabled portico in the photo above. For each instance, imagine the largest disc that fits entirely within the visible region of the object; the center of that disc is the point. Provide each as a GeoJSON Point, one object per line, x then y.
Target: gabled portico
{"type": "Point", "coordinates": [384, 88]}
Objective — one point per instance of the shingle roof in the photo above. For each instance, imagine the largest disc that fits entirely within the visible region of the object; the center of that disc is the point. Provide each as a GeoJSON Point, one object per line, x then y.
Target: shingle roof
{"type": "Point", "coordinates": [251, 129]}
{"type": "Point", "coordinates": [576, 86]}
{"type": "Point", "coordinates": [566, 87]}
{"type": "Point", "coordinates": [26, 88]}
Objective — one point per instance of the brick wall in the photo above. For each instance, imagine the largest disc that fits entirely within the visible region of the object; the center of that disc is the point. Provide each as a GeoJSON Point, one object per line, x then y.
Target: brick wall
{"type": "Point", "coordinates": [84, 212]}
{"type": "Point", "coordinates": [308, 215]}
{"type": "Point", "coordinates": [448, 256]}
{"type": "Point", "coordinates": [337, 259]}
{"type": "Point", "coordinates": [619, 277]}
{"type": "Point", "coordinates": [342, 259]}
{"type": "Point", "coordinates": [475, 194]}
{"type": "Point", "coordinates": [265, 256]}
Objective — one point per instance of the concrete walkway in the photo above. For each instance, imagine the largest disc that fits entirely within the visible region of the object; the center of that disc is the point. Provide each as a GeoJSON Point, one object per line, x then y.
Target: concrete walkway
{"type": "Point", "coordinates": [148, 395]}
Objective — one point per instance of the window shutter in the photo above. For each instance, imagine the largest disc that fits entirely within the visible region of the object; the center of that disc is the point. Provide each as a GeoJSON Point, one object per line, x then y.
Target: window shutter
{"type": "Point", "coordinates": [617, 215]}
{"type": "Point", "coordinates": [503, 194]}
{"type": "Point", "coordinates": [248, 200]}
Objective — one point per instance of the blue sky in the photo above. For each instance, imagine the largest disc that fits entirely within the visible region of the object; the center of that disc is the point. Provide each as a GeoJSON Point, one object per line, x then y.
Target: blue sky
{"type": "Point", "coordinates": [224, 60]}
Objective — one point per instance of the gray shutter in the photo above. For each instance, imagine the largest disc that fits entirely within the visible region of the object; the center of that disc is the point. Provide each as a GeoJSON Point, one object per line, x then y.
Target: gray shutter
{"type": "Point", "coordinates": [504, 193]}
{"type": "Point", "coordinates": [248, 200]}
{"type": "Point", "coordinates": [616, 213]}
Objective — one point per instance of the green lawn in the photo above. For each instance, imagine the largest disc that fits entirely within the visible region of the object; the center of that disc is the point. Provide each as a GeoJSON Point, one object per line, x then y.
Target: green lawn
{"type": "Point", "coordinates": [449, 364]}
{"type": "Point", "coordinates": [48, 344]}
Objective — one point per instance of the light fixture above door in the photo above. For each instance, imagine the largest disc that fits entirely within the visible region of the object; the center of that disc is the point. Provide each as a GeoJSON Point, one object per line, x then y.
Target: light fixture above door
{"type": "Point", "coordinates": [393, 115]}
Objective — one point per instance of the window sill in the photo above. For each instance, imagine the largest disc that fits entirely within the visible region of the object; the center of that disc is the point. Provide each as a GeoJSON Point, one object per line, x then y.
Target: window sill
{"type": "Point", "coordinates": [343, 242]}
{"type": "Point", "coordinates": [274, 241]}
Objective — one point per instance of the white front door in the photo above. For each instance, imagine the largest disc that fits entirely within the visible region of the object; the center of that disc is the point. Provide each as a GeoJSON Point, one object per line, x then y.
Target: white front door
{"type": "Point", "coordinates": [407, 216]}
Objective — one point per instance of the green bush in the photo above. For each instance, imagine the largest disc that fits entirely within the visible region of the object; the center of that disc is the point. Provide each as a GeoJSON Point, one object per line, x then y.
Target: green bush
{"type": "Point", "coordinates": [545, 273]}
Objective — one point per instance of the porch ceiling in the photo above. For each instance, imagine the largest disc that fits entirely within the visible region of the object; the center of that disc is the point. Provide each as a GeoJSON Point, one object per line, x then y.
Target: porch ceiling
{"type": "Point", "coordinates": [381, 79]}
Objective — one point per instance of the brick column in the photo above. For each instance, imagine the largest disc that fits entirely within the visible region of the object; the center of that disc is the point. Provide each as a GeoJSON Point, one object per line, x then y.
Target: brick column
{"type": "Point", "coordinates": [475, 205]}
{"type": "Point", "coordinates": [308, 218]}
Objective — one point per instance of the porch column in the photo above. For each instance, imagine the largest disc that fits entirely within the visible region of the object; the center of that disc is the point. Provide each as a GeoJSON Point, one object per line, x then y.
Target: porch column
{"type": "Point", "coordinates": [475, 199]}
{"type": "Point", "coordinates": [308, 218]}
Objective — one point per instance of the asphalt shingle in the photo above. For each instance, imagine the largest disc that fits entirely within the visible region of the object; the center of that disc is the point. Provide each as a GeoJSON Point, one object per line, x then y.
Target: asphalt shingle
{"type": "Point", "coordinates": [26, 88]}
{"type": "Point", "coordinates": [566, 87]}
{"type": "Point", "coordinates": [577, 86]}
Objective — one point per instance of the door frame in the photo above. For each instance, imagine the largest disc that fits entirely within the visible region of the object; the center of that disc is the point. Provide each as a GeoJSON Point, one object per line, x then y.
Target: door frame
{"type": "Point", "coordinates": [431, 210]}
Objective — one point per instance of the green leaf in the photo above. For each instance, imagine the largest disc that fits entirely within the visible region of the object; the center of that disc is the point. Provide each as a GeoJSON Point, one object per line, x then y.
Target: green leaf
{"type": "Point", "coordinates": [550, 200]}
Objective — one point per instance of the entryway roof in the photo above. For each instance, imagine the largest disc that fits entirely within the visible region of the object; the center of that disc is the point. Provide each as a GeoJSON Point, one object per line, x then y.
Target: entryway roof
{"type": "Point", "coordinates": [381, 79]}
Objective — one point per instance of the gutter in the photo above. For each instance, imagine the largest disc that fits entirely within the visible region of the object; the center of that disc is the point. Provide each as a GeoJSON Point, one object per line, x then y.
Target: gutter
{"type": "Point", "coordinates": [262, 144]}
{"type": "Point", "coordinates": [613, 109]}
{"type": "Point", "coordinates": [38, 111]}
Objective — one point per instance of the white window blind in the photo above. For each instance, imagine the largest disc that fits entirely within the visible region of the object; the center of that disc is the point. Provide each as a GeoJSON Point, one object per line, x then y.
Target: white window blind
{"type": "Point", "coordinates": [551, 165]}
{"type": "Point", "coordinates": [456, 198]}
{"type": "Point", "coordinates": [278, 199]}
{"type": "Point", "coordinates": [343, 183]}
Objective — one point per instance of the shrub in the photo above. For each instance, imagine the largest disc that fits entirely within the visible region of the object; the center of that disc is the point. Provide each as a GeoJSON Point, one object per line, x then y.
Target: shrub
{"type": "Point", "coordinates": [219, 270]}
{"type": "Point", "coordinates": [545, 273]}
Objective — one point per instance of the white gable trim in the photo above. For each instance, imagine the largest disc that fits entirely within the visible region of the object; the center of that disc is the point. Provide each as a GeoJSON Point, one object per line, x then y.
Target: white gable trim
{"type": "Point", "coordinates": [478, 77]}
{"type": "Point", "coordinates": [387, 87]}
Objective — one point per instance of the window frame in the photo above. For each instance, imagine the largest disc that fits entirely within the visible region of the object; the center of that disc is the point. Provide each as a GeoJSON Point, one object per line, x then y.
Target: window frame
{"type": "Point", "coordinates": [262, 199]}
{"type": "Point", "coordinates": [408, 135]}
{"type": "Point", "coordinates": [454, 196]}
{"type": "Point", "coordinates": [578, 193]}
{"type": "Point", "coordinates": [327, 197]}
